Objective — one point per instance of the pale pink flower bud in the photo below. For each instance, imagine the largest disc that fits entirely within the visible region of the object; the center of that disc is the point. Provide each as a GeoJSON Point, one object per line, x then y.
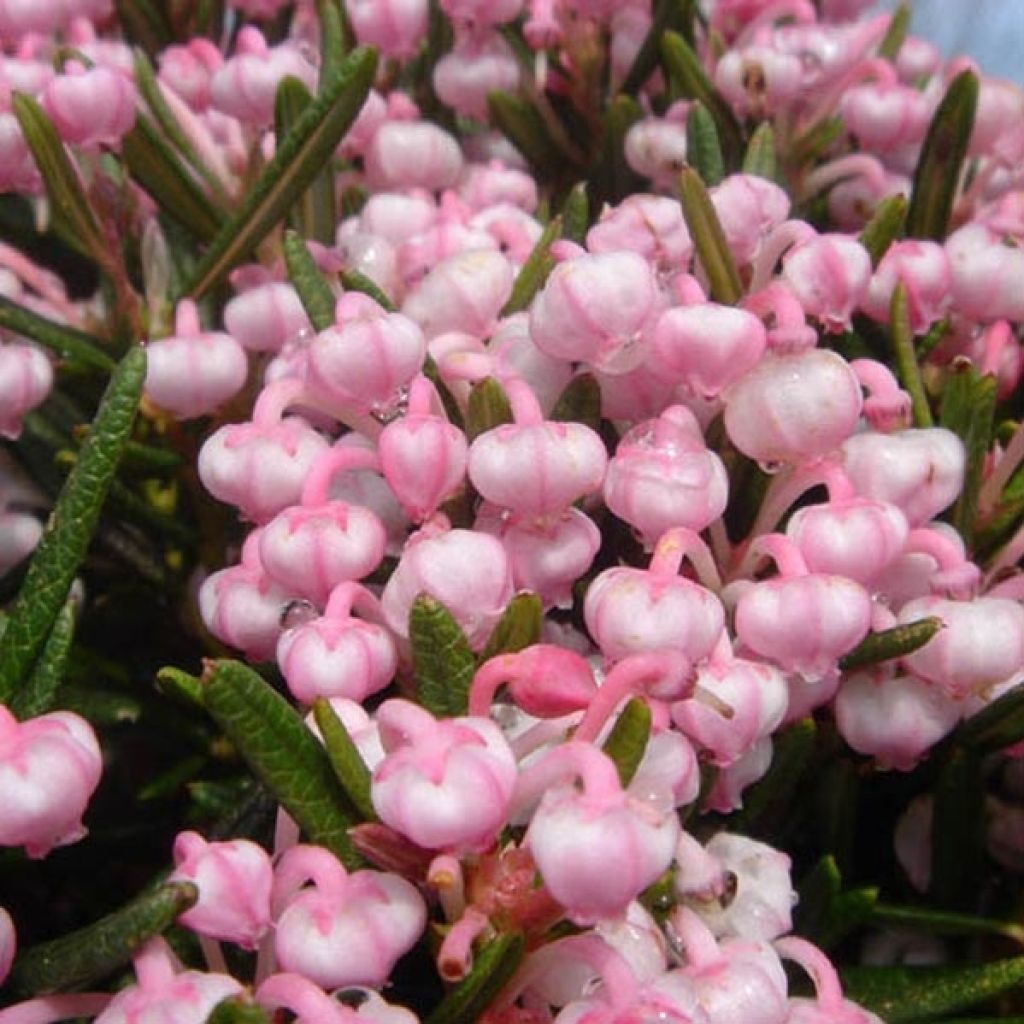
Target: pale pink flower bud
{"type": "Point", "coordinates": [895, 719]}
{"type": "Point", "coordinates": [793, 408]}
{"type": "Point", "coordinates": [412, 154]}
{"type": "Point", "coordinates": [885, 116]}
{"type": "Point", "coordinates": [263, 318]}
{"type": "Point", "coordinates": [26, 376]}
{"type": "Point", "coordinates": [637, 394]}
{"type": "Point", "coordinates": [759, 81]}
{"type": "Point", "coordinates": [1000, 110]}
{"type": "Point", "coordinates": [707, 346]}
{"type": "Point", "coordinates": [234, 880]}
{"type": "Point", "coordinates": [189, 69]}
{"type": "Point", "coordinates": [90, 107]}
{"type": "Point", "coordinates": [924, 270]}
{"type": "Point", "coordinates": [395, 216]}
{"type": "Point", "coordinates": [444, 784]}
{"type": "Point", "coordinates": [981, 644]}
{"type": "Point", "coordinates": [652, 226]}
{"type": "Point", "coordinates": [727, 793]}
{"type": "Point", "coordinates": [669, 765]}
{"type": "Point", "coordinates": [447, 236]}
{"type": "Point", "coordinates": [655, 147]}
{"type": "Point", "coordinates": [338, 655]}
{"type": "Point", "coordinates": [19, 535]}
{"type": "Point", "coordinates": [478, 65]}
{"type": "Point", "coordinates": [465, 292]}
{"type": "Point", "coordinates": [920, 471]}
{"type": "Point", "coordinates": [395, 27]}
{"type": "Point", "coordinates": [489, 184]}
{"type": "Point", "coordinates": [748, 208]}
{"type": "Point", "coordinates": [853, 200]}
{"type": "Point", "coordinates": [467, 571]}
{"type": "Point", "coordinates": [663, 475]}
{"type": "Point", "coordinates": [8, 944]}
{"type": "Point", "coordinates": [20, 18]}
{"type": "Point", "coordinates": [49, 768]}
{"type": "Point", "coordinates": [194, 372]}
{"type": "Point", "coordinates": [595, 308]}
{"type": "Point", "coordinates": [830, 276]}
{"type": "Point", "coordinates": [344, 929]}
{"type": "Point", "coordinates": [18, 171]}
{"type": "Point", "coordinates": [988, 276]}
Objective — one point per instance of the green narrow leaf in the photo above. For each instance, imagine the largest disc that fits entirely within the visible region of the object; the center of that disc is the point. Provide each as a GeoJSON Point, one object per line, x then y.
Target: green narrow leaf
{"type": "Point", "coordinates": [443, 663]}
{"type": "Point", "coordinates": [37, 695]}
{"type": "Point", "coordinates": [760, 157]}
{"type": "Point", "coordinates": [703, 150]}
{"type": "Point", "coordinates": [906, 358]}
{"type": "Point", "coordinates": [534, 272]}
{"type": "Point", "coordinates": [576, 214]}
{"type": "Point", "coordinates": [826, 913]}
{"type": "Point", "coordinates": [67, 197]}
{"type": "Point", "coordinates": [668, 14]}
{"type": "Point", "coordinates": [941, 161]}
{"type": "Point", "coordinates": [313, 214]}
{"type": "Point", "coordinates": [357, 281]}
{"type": "Point", "coordinates": [237, 1010]}
{"type": "Point", "coordinates": [520, 626]}
{"type": "Point", "coordinates": [492, 968]}
{"type": "Point", "coordinates": [522, 124]}
{"type": "Point", "coordinates": [315, 293]}
{"type": "Point", "coordinates": [627, 741]}
{"type": "Point", "coordinates": [889, 47]}
{"type": "Point", "coordinates": [580, 402]}
{"type": "Point", "coordinates": [148, 460]}
{"type": "Point", "coordinates": [299, 158]}
{"type": "Point", "coordinates": [335, 39]}
{"type": "Point", "coordinates": [836, 809]}
{"type": "Point", "coordinates": [890, 643]}
{"type": "Point", "coordinates": [968, 409]}
{"type": "Point", "coordinates": [709, 239]}
{"type": "Point", "coordinates": [944, 922]}
{"type": "Point", "coordinates": [451, 407]}
{"type": "Point", "coordinates": [488, 408]}
{"type": "Point", "coordinates": [792, 753]}
{"type": "Point", "coordinates": [958, 826]}
{"type": "Point", "coordinates": [283, 754]}
{"type": "Point", "coordinates": [71, 525]}
{"type": "Point", "coordinates": [182, 686]}
{"type": "Point", "coordinates": [346, 761]}
{"type": "Point", "coordinates": [885, 226]}
{"type": "Point", "coordinates": [613, 178]}
{"type": "Point", "coordinates": [688, 78]}
{"type": "Point", "coordinates": [93, 952]}
{"type": "Point", "coordinates": [997, 726]}
{"type": "Point", "coordinates": [69, 343]}
{"type": "Point", "coordinates": [902, 995]}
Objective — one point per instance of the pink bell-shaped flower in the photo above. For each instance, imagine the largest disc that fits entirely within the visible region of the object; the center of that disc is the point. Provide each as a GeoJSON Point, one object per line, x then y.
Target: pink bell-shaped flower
{"type": "Point", "coordinates": [234, 881]}
{"type": "Point", "coordinates": [395, 27]}
{"type": "Point", "coordinates": [655, 147]}
{"type": "Point", "coordinates": [885, 116]}
{"type": "Point", "coordinates": [264, 317]}
{"type": "Point", "coordinates": [194, 372]}
{"type": "Point", "coordinates": [26, 376]}
{"type": "Point", "coordinates": [923, 269]}
{"type": "Point", "coordinates": [347, 928]}
{"type": "Point", "coordinates": [652, 226]}
{"type": "Point", "coordinates": [988, 276]}
{"type": "Point", "coordinates": [338, 655]}
{"type": "Point", "coordinates": [94, 107]}
{"type": "Point", "coordinates": [830, 275]}
{"type": "Point", "coordinates": [444, 784]}
{"type": "Point", "coordinates": [49, 768]}
{"type": "Point", "coordinates": [759, 81]}
{"type": "Point", "coordinates": [412, 154]}
{"type": "Point", "coordinates": [478, 65]}
{"type": "Point", "coordinates": [188, 69]}
{"type": "Point", "coordinates": [749, 207]}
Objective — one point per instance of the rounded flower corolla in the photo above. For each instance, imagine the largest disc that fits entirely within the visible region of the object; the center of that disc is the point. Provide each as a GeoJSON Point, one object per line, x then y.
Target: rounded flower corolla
{"type": "Point", "coordinates": [234, 880]}
{"type": "Point", "coordinates": [652, 226]}
{"type": "Point", "coordinates": [346, 928]}
{"type": "Point", "coordinates": [188, 69]}
{"type": "Point", "coordinates": [980, 645]}
{"type": "Point", "coordinates": [94, 107]}
{"type": "Point", "coordinates": [18, 171]}
{"type": "Point", "coordinates": [395, 27]}
{"type": "Point", "coordinates": [193, 372]}
{"type": "Point", "coordinates": [444, 784]}
{"type": "Point", "coordinates": [988, 275]}
{"type": "Point", "coordinates": [595, 308]}
{"type": "Point", "coordinates": [923, 268]}
{"type": "Point", "coordinates": [793, 408]}
{"type": "Point", "coordinates": [49, 768]}
{"type": "Point", "coordinates": [758, 80]}
{"type": "Point", "coordinates": [748, 208]}
{"type": "Point", "coordinates": [477, 66]}
{"type": "Point", "coordinates": [515, 354]}
{"type": "Point", "coordinates": [465, 570]}
{"type": "Point", "coordinates": [26, 376]}
{"type": "Point", "coordinates": [263, 318]}
{"type": "Point", "coordinates": [18, 18]}
{"type": "Point", "coordinates": [655, 147]}
{"type": "Point", "coordinates": [488, 184]}
{"type": "Point", "coordinates": [412, 154]}
{"type": "Point", "coordinates": [830, 275]}
{"type": "Point", "coordinates": [885, 116]}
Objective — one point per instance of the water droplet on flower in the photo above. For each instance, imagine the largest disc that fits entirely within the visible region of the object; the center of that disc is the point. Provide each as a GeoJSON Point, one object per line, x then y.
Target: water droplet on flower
{"type": "Point", "coordinates": [770, 467]}
{"type": "Point", "coordinates": [387, 412]}
{"type": "Point", "coordinates": [298, 613]}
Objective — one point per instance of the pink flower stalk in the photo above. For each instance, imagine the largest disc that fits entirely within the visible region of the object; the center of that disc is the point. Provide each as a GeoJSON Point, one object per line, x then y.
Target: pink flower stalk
{"type": "Point", "coordinates": [981, 644]}
{"type": "Point", "coordinates": [189, 68]}
{"type": "Point", "coordinates": [395, 27]}
{"type": "Point", "coordinates": [338, 655]}
{"type": "Point", "coordinates": [309, 548]}
{"type": "Point", "coordinates": [49, 768]}
{"type": "Point", "coordinates": [920, 471]}
{"type": "Point", "coordinates": [412, 154]}
{"type": "Point", "coordinates": [311, 1005]}
{"type": "Point", "coordinates": [364, 359]}
{"type": "Point", "coordinates": [829, 1006]}
{"type": "Point", "coordinates": [90, 108]}
{"type": "Point", "coordinates": [896, 719]}
{"type": "Point", "coordinates": [628, 611]}
{"type": "Point", "coordinates": [802, 621]}
{"type": "Point", "coordinates": [194, 372]}
{"type": "Point", "coordinates": [26, 377]}
{"type": "Point", "coordinates": [347, 928]}
{"type": "Point", "coordinates": [830, 275]}
{"type": "Point", "coordinates": [598, 848]}
{"type": "Point", "coordinates": [545, 680]}
{"type": "Point", "coordinates": [759, 81]}
{"type": "Point", "coordinates": [264, 317]}
{"type": "Point", "coordinates": [478, 65]}
{"type": "Point", "coordinates": [447, 784]}
{"type": "Point", "coordinates": [422, 455]}
{"type": "Point", "coordinates": [260, 467]}
{"type": "Point", "coordinates": [595, 308]}
{"type": "Point", "coordinates": [8, 944]}
{"type": "Point", "coordinates": [887, 405]}
{"type": "Point", "coordinates": [793, 408]}
{"type": "Point", "coordinates": [467, 571]}
{"type": "Point", "coordinates": [234, 881]}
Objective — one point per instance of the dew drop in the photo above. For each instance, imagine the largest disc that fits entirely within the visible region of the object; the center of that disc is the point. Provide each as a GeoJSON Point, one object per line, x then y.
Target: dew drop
{"type": "Point", "coordinates": [298, 613]}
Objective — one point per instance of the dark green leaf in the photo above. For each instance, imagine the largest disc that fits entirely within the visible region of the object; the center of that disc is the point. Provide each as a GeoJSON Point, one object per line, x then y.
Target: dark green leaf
{"type": "Point", "coordinates": [77, 347]}
{"type": "Point", "coordinates": [451, 407]}
{"type": "Point", "coordinates": [902, 995]}
{"type": "Point", "coordinates": [885, 226]}
{"type": "Point", "coordinates": [523, 125]}
{"type": "Point", "coordinates": [668, 14]}
{"type": "Point", "coordinates": [534, 272]}
{"type": "Point", "coordinates": [37, 695]}
{"type": "Point", "coordinates": [613, 178]}
{"type": "Point", "coordinates": [890, 643]}
{"type": "Point", "coordinates": [71, 525]}
{"type": "Point", "coordinates": [997, 726]}
{"type": "Point", "coordinates": [335, 39]}
{"type": "Point", "coordinates": [442, 661]}
{"type": "Point", "coordinates": [492, 968]}
{"type": "Point", "coordinates": [906, 358]}
{"type": "Point", "coordinates": [627, 741]}
{"type": "Point", "coordinates": [237, 1010]}
{"type": "Point", "coordinates": [580, 402]}
{"type": "Point", "coordinates": [576, 214]}
{"type": "Point", "coordinates": [348, 764]}
{"type": "Point", "coordinates": [703, 150]}
{"type": "Point", "coordinates": [958, 827]}
{"type": "Point", "coordinates": [941, 160]}
{"type": "Point", "coordinates": [91, 953]}
{"type": "Point", "coordinates": [889, 47]}
{"type": "Point", "coordinates": [488, 408]}
{"type": "Point", "coordinates": [944, 922]}
{"type": "Point", "coordinates": [145, 23]}
{"type": "Point", "coordinates": [283, 754]}
{"type": "Point", "coordinates": [792, 752]}
{"type": "Point", "coordinates": [100, 707]}
{"type": "Point", "coordinates": [315, 293]}
{"type": "Point", "coordinates": [298, 160]}
{"type": "Point", "coordinates": [709, 239]}
{"type": "Point", "coordinates": [826, 912]}
{"type": "Point", "coordinates": [760, 157]}
{"type": "Point", "coordinates": [182, 686]}
{"type": "Point", "coordinates": [356, 281]}
{"type": "Point", "coordinates": [520, 626]}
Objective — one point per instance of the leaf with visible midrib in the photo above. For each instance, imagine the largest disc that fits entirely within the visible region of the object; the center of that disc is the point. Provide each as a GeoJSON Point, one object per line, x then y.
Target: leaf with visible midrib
{"type": "Point", "coordinates": [68, 342]}
{"type": "Point", "coordinates": [314, 293]}
{"type": "Point", "coordinates": [443, 663]}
